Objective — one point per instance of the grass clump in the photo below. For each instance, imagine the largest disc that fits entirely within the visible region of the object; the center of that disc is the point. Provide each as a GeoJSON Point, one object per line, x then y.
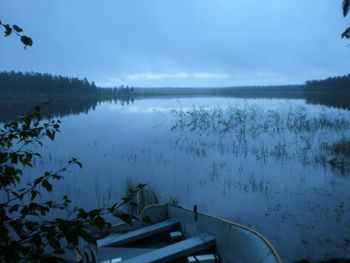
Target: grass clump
{"type": "Point", "coordinates": [341, 147]}
{"type": "Point", "coordinates": [145, 197]}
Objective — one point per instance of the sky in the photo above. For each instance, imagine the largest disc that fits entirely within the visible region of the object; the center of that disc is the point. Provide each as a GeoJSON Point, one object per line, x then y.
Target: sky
{"type": "Point", "coordinates": [179, 43]}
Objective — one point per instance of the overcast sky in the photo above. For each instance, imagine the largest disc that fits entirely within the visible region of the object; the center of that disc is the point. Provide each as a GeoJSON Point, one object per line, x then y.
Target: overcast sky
{"type": "Point", "coordinates": [179, 43]}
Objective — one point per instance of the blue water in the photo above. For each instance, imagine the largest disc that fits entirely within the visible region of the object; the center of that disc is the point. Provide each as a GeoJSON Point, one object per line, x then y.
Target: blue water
{"type": "Point", "coordinates": [265, 177]}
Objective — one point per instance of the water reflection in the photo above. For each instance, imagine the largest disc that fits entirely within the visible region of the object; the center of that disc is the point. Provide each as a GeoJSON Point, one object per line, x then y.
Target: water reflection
{"type": "Point", "coordinates": [262, 163]}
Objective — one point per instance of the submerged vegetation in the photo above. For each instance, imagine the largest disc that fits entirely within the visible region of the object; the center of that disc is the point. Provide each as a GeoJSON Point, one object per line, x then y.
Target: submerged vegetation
{"type": "Point", "coordinates": [148, 195]}
{"type": "Point", "coordinates": [341, 147]}
{"type": "Point", "coordinates": [288, 134]}
{"type": "Point", "coordinates": [145, 197]}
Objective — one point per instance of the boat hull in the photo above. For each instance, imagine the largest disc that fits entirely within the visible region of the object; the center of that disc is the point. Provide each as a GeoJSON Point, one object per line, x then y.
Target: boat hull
{"type": "Point", "coordinates": [234, 242]}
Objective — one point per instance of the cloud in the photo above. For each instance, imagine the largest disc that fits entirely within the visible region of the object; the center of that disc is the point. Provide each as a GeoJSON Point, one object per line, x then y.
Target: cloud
{"type": "Point", "coordinates": [179, 75]}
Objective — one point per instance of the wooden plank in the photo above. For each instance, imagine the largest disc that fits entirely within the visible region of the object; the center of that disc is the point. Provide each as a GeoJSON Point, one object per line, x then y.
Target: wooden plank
{"type": "Point", "coordinates": [178, 250]}
{"type": "Point", "coordinates": [135, 235]}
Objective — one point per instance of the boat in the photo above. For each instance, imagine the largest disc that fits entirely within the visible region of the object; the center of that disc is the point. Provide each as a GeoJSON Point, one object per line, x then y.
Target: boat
{"type": "Point", "coordinates": [178, 234]}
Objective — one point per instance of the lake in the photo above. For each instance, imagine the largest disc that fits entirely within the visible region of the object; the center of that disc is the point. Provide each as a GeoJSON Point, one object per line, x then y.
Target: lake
{"type": "Point", "coordinates": [264, 163]}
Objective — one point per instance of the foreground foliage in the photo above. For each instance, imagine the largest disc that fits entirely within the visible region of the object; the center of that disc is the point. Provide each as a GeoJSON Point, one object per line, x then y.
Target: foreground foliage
{"type": "Point", "coordinates": [28, 231]}
{"type": "Point", "coordinates": [14, 29]}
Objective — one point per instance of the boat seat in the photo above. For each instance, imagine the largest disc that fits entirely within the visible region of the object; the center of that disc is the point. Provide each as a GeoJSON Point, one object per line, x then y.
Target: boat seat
{"type": "Point", "coordinates": [138, 234]}
{"type": "Point", "coordinates": [176, 251]}
{"type": "Point", "coordinates": [107, 254]}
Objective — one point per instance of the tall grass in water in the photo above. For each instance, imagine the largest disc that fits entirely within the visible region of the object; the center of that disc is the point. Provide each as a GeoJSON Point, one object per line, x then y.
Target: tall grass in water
{"type": "Point", "coordinates": [294, 133]}
{"type": "Point", "coordinates": [217, 120]}
{"type": "Point", "coordinates": [145, 197]}
{"type": "Point", "coordinates": [149, 195]}
{"type": "Point", "coordinates": [341, 147]}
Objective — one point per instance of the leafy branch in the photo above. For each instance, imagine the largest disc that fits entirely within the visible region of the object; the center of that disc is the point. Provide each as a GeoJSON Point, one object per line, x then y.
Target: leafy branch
{"type": "Point", "coordinates": [346, 7]}
{"type": "Point", "coordinates": [27, 41]}
{"type": "Point", "coordinates": [28, 230]}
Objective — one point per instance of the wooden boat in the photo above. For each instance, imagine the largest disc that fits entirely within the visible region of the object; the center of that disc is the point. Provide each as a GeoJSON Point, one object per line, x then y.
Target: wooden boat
{"type": "Point", "coordinates": [177, 233]}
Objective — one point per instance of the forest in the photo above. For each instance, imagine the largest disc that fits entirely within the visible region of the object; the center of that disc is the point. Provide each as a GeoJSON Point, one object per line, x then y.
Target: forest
{"type": "Point", "coordinates": [38, 83]}
{"type": "Point", "coordinates": [339, 83]}
{"type": "Point", "coordinates": [73, 95]}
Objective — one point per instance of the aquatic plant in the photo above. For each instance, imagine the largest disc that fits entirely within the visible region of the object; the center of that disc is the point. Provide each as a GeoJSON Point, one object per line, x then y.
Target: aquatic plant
{"type": "Point", "coordinates": [341, 147]}
{"type": "Point", "coordinates": [148, 195]}
{"type": "Point", "coordinates": [296, 132]}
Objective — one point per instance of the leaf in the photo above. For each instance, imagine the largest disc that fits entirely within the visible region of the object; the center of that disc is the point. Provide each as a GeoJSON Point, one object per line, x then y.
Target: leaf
{"type": "Point", "coordinates": [141, 186]}
{"type": "Point", "coordinates": [8, 30]}
{"type": "Point", "coordinates": [75, 160]}
{"type": "Point", "coordinates": [14, 208]}
{"type": "Point", "coordinates": [346, 33]}
{"type": "Point", "coordinates": [99, 222]}
{"type": "Point", "coordinates": [33, 193]}
{"type": "Point", "coordinates": [17, 28]}
{"type": "Point", "coordinates": [346, 4]}
{"type": "Point", "coordinates": [3, 157]}
{"type": "Point", "coordinates": [54, 243]}
{"type": "Point", "coordinates": [37, 240]}
{"type": "Point", "coordinates": [72, 238]}
{"type": "Point", "coordinates": [50, 134]}
{"type": "Point", "coordinates": [124, 217]}
{"type": "Point", "coordinates": [87, 236]}
{"type": "Point", "coordinates": [17, 226]}
{"type": "Point", "coordinates": [45, 183]}
{"type": "Point", "coordinates": [27, 41]}
{"type": "Point", "coordinates": [14, 158]}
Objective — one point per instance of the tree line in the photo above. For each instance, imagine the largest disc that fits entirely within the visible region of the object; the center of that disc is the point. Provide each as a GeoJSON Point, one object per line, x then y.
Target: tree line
{"type": "Point", "coordinates": [30, 82]}
{"type": "Point", "coordinates": [332, 83]}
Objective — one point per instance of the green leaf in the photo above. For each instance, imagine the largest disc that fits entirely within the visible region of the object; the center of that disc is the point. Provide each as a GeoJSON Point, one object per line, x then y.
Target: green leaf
{"type": "Point", "coordinates": [8, 30]}
{"type": "Point", "coordinates": [17, 226]}
{"type": "Point", "coordinates": [346, 33]}
{"type": "Point", "coordinates": [87, 236]}
{"type": "Point", "coordinates": [50, 134]}
{"type": "Point", "coordinates": [37, 240]}
{"type": "Point", "coordinates": [99, 222]}
{"type": "Point", "coordinates": [27, 41]}
{"type": "Point", "coordinates": [124, 217]}
{"type": "Point", "coordinates": [14, 208]}
{"type": "Point", "coordinates": [14, 158]}
{"type": "Point", "coordinates": [346, 4]}
{"type": "Point", "coordinates": [141, 186]}
{"type": "Point", "coordinates": [54, 243]}
{"type": "Point", "coordinates": [17, 28]}
{"type": "Point", "coordinates": [75, 160]}
{"type": "Point", "coordinates": [33, 193]}
{"type": "Point", "coordinates": [72, 238]}
{"type": "Point", "coordinates": [45, 183]}
{"type": "Point", "coordinates": [3, 157]}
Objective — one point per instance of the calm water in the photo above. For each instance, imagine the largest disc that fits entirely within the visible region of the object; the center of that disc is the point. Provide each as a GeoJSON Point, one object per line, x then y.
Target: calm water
{"type": "Point", "coordinates": [251, 161]}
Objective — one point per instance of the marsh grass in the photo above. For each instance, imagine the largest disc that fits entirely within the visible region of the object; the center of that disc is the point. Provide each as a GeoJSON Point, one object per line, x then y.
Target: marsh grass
{"type": "Point", "coordinates": [254, 119]}
{"type": "Point", "coordinates": [294, 133]}
{"type": "Point", "coordinates": [341, 147]}
{"type": "Point", "coordinates": [149, 195]}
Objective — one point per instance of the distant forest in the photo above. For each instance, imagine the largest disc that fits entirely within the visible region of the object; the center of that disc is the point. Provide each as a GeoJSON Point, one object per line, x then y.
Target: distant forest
{"type": "Point", "coordinates": [20, 92]}
{"type": "Point", "coordinates": [333, 91]}
{"type": "Point", "coordinates": [341, 83]}
{"type": "Point", "coordinates": [46, 84]}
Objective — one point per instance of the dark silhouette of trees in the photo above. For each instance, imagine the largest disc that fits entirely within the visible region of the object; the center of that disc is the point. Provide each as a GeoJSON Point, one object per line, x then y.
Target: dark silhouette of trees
{"type": "Point", "coordinates": [332, 91]}
{"type": "Point", "coordinates": [38, 83]}
{"type": "Point", "coordinates": [340, 83]}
